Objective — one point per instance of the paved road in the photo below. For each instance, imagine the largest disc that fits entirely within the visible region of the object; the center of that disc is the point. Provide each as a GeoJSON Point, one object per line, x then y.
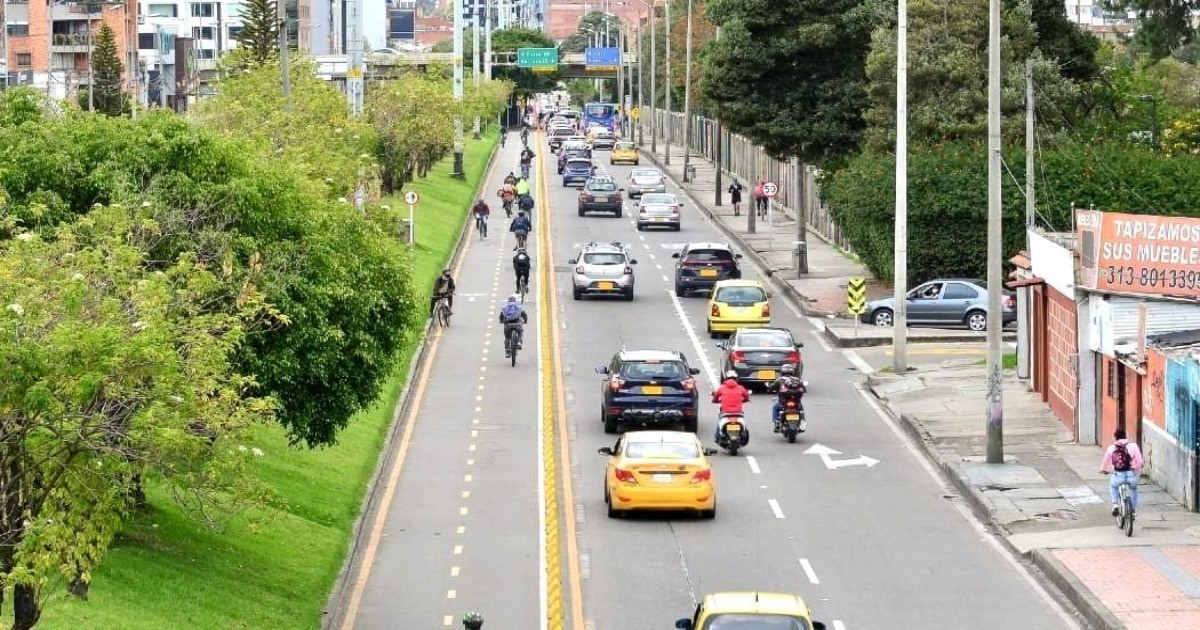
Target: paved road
{"type": "Point", "coordinates": [455, 527]}
{"type": "Point", "coordinates": [868, 547]}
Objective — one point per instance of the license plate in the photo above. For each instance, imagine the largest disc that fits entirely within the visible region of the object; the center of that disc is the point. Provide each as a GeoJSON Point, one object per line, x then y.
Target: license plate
{"type": "Point", "coordinates": [661, 219]}
{"type": "Point", "coordinates": [708, 273]}
{"type": "Point", "coordinates": [663, 478]}
{"type": "Point", "coordinates": [652, 389]}
{"type": "Point", "coordinates": [605, 286]}
{"type": "Point", "coordinates": [791, 417]}
{"type": "Point", "coordinates": [733, 429]}
{"type": "Point", "coordinates": [766, 374]}
{"type": "Point", "coordinates": [601, 199]}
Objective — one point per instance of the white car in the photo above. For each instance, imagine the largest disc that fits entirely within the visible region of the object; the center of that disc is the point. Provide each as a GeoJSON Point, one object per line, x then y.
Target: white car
{"type": "Point", "coordinates": [658, 209]}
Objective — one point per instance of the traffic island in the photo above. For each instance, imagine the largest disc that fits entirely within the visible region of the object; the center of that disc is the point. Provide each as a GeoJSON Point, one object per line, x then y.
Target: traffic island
{"type": "Point", "coordinates": [846, 334]}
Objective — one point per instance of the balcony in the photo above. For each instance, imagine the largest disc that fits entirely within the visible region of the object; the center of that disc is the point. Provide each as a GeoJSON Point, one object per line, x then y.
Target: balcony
{"type": "Point", "coordinates": [69, 43]}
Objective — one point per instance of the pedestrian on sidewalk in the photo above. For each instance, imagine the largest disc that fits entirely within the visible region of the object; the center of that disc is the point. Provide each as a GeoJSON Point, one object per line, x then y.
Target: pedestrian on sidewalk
{"type": "Point", "coordinates": [1124, 459]}
{"type": "Point", "coordinates": [735, 196]}
{"type": "Point", "coordinates": [760, 199]}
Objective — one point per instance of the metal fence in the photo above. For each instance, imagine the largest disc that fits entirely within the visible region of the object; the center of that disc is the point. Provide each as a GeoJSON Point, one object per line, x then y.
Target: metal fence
{"type": "Point", "coordinates": [748, 162]}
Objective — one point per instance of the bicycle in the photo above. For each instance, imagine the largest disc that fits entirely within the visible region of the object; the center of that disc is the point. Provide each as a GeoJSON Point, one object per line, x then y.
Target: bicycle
{"type": "Point", "coordinates": [521, 239]}
{"type": "Point", "coordinates": [1125, 512]}
{"type": "Point", "coordinates": [441, 312]}
{"type": "Point", "coordinates": [512, 343]}
{"type": "Point", "coordinates": [508, 204]}
{"type": "Point", "coordinates": [523, 288]}
{"type": "Point", "coordinates": [524, 171]}
{"type": "Point", "coordinates": [481, 225]}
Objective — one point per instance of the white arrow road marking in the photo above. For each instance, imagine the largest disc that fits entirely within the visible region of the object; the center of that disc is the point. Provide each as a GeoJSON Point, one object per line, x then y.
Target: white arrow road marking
{"type": "Point", "coordinates": [827, 454]}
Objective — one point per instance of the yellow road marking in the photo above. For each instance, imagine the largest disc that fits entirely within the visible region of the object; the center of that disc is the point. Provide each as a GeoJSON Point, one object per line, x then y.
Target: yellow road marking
{"type": "Point", "coordinates": [554, 434]}
{"type": "Point", "coordinates": [410, 422]}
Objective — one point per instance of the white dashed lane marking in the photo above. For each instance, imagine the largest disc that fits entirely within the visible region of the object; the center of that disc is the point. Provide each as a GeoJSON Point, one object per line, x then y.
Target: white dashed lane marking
{"type": "Point", "coordinates": [775, 508]}
{"type": "Point", "coordinates": [753, 465]}
{"type": "Point", "coordinates": [808, 571]}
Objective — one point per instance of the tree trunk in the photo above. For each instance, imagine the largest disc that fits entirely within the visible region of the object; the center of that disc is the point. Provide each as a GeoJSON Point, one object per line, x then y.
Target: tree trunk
{"type": "Point", "coordinates": [26, 608]}
{"type": "Point", "coordinates": [137, 492]}
{"type": "Point", "coordinates": [79, 586]}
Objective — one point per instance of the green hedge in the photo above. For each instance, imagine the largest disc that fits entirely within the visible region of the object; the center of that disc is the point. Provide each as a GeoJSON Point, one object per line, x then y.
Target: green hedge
{"type": "Point", "coordinates": [947, 199]}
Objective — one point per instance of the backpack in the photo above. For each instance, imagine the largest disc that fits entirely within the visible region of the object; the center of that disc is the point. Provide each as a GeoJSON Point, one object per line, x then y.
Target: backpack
{"type": "Point", "coordinates": [511, 312]}
{"type": "Point", "coordinates": [1122, 461]}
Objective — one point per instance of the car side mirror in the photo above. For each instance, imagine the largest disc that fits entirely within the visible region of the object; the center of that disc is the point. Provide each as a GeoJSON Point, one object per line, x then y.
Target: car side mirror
{"type": "Point", "coordinates": [722, 345]}
{"type": "Point", "coordinates": [605, 450]}
{"type": "Point", "coordinates": [633, 261]}
{"type": "Point", "coordinates": [707, 451]}
{"type": "Point", "coordinates": [817, 625]}
{"type": "Point", "coordinates": [572, 261]}
{"type": "Point", "coordinates": [620, 190]}
{"type": "Point", "coordinates": [737, 255]}
{"type": "Point", "coordinates": [769, 294]}
{"type": "Point", "coordinates": [693, 371]}
{"type": "Point", "coordinates": [602, 369]}
{"type": "Point", "coordinates": [799, 344]}
{"type": "Point", "coordinates": [675, 255]}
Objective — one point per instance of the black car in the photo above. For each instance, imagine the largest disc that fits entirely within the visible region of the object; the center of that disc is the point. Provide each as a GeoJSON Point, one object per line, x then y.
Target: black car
{"type": "Point", "coordinates": [600, 195]}
{"type": "Point", "coordinates": [648, 388]}
{"type": "Point", "coordinates": [699, 266]}
{"type": "Point", "coordinates": [758, 354]}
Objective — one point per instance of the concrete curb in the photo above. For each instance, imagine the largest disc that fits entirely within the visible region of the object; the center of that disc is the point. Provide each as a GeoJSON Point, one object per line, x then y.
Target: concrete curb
{"type": "Point", "coordinates": [782, 285]}
{"type": "Point", "coordinates": [333, 613]}
{"type": "Point", "coordinates": [1091, 608]}
{"type": "Point", "coordinates": [865, 342]}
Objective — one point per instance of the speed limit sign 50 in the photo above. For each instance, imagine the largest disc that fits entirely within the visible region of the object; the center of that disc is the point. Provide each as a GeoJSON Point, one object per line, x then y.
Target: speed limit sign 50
{"type": "Point", "coordinates": [770, 189]}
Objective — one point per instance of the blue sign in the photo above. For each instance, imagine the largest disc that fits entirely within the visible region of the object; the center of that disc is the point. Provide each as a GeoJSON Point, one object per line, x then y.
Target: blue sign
{"type": "Point", "coordinates": [602, 57]}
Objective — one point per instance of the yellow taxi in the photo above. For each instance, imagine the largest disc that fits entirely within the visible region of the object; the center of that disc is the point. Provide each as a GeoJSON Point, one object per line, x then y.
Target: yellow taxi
{"type": "Point", "coordinates": [751, 610]}
{"type": "Point", "coordinates": [738, 304]}
{"type": "Point", "coordinates": [659, 470]}
{"type": "Point", "coordinates": [624, 152]}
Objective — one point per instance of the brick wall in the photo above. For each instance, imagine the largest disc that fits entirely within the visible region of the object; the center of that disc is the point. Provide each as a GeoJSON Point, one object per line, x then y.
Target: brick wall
{"type": "Point", "coordinates": [122, 20]}
{"type": "Point", "coordinates": [1061, 335]}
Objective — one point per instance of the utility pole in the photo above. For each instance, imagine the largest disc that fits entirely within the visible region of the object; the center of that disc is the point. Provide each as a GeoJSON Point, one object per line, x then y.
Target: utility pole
{"type": "Point", "coordinates": [91, 66]}
{"type": "Point", "coordinates": [620, 126]}
{"type": "Point", "coordinates": [995, 382]}
{"type": "Point", "coordinates": [488, 20]}
{"type": "Point", "coordinates": [717, 147]}
{"type": "Point", "coordinates": [458, 90]}
{"type": "Point", "coordinates": [653, 79]}
{"type": "Point", "coordinates": [284, 66]}
{"type": "Point", "coordinates": [4, 43]}
{"type": "Point", "coordinates": [687, 96]}
{"type": "Point", "coordinates": [641, 84]}
{"type": "Point", "coordinates": [1030, 199]}
{"type": "Point", "coordinates": [354, 48]}
{"type": "Point", "coordinates": [667, 135]}
{"type": "Point", "coordinates": [800, 189]}
{"type": "Point", "coordinates": [162, 68]}
{"type": "Point", "coordinates": [900, 271]}
{"type": "Point", "coordinates": [475, 58]}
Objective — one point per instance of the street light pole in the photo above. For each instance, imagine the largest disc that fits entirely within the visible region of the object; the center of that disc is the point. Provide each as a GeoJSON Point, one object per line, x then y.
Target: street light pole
{"type": "Point", "coordinates": [995, 382]}
{"type": "Point", "coordinates": [475, 61]}
{"type": "Point", "coordinates": [900, 269]}
{"type": "Point", "coordinates": [667, 136]}
{"type": "Point", "coordinates": [91, 66]}
{"type": "Point", "coordinates": [717, 149]}
{"type": "Point", "coordinates": [1153, 118]}
{"type": "Point", "coordinates": [653, 79]}
{"type": "Point", "coordinates": [458, 90]}
{"type": "Point", "coordinates": [687, 97]}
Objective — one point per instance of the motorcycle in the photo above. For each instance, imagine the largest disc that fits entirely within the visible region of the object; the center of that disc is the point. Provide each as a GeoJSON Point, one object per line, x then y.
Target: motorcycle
{"type": "Point", "coordinates": [733, 434]}
{"type": "Point", "coordinates": [791, 418]}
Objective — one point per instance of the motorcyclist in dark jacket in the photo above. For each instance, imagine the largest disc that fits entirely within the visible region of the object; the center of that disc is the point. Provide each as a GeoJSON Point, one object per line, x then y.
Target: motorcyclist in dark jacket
{"type": "Point", "coordinates": [788, 386]}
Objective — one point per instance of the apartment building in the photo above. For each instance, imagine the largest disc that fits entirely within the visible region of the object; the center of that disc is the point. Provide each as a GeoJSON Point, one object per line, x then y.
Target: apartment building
{"type": "Point", "coordinates": [178, 44]}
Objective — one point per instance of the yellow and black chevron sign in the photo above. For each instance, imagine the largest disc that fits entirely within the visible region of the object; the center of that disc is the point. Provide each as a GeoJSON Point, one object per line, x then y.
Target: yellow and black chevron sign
{"type": "Point", "coordinates": [856, 296]}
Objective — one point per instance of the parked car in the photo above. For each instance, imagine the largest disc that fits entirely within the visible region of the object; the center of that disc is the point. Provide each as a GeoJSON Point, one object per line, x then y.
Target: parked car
{"type": "Point", "coordinates": [738, 304]}
{"type": "Point", "coordinates": [602, 269]}
{"type": "Point", "coordinates": [658, 209]}
{"type": "Point", "coordinates": [577, 171]}
{"type": "Point", "coordinates": [624, 151]}
{"type": "Point", "coordinates": [659, 470]}
{"type": "Point", "coordinates": [944, 302]}
{"type": "Point", "coordinates": [757, 354]}
{"type": "Point", "coordinates": [600, 194]}
{"type": "Point", "coordinates": [699, 266]}
{"type": "Point", "coordinates": [648, 388]}
{"type": "Point", "coordinates": [646, 180]}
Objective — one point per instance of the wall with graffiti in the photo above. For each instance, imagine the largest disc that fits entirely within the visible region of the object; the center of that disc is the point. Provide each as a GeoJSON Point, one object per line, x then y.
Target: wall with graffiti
{"type": "Point", "coordinates": [1170, 416]}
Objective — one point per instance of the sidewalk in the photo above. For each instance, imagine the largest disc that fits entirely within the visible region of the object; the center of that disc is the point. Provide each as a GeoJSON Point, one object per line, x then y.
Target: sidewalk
{"type": "Point", "coordinates": [1049, 503]}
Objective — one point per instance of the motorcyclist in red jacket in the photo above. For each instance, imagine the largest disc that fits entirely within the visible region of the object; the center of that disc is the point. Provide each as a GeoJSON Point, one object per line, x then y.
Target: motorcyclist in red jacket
{"type": "Point", "coordinates": [731, 396]}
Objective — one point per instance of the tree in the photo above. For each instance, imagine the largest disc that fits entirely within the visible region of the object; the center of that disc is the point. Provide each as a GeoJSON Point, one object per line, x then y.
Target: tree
{"type": "Point", "coordinates": [1065, 41]}
{"type": "Point", "coordinates": [108, 96]}
{"type": "Point", "coordinates": [790, 76]}
{"type": "Point", "coordinates": [1163, 26]}
{"type": "Point", "coordinates": [260, 30]}
{"type": "Point", "coordinates": [597, 21]}
{"type": "Point", "coordinates": [414, 118]}
{"type": "Point", "coordinates": [20, 105]}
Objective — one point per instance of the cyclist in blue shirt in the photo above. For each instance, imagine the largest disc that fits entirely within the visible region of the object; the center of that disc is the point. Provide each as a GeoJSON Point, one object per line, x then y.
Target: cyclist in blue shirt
{"type": "Point", "coordinates": [513, 316]}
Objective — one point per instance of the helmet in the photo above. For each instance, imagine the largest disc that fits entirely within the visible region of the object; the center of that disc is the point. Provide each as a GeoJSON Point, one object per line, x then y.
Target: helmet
{"type": "Point", "coordinates": [520, 250]}
{"type": "Point", "coordinates": [514, 297]}
{"type": "Point", "coordinates": [731, 374]}
{"type": "Point", "coordinates": [445, 272]}
{"type": "Point", "coordinates": [788, 368]}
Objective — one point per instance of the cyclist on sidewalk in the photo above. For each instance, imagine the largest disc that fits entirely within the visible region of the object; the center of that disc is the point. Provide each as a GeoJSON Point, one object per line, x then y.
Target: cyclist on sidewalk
{"type": "Point", "coordinates": [1124, 459]}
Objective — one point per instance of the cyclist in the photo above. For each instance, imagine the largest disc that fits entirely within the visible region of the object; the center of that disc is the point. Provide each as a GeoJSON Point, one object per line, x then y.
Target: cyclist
{"type": "Point", "coordinates": [507, 194]}
{"type": "Point", "coordinates": [522, 187]}
{"type": "Point", "coordinates": [503, 136]}
{"type": "Point", "coordinates": [521, 264]}
{"type": "Point", "coordinates": [444, 288]}
{"type": "Point", "coordinates": [789, 386]}
{"type": "Point", "coordinates": [510, 179]}
{"type": "Point", "coordinates": [513, 316]}
{"type": "Point", "coordinates": [1124, 459]}
{"type": "Point", "coordinates": [731, 396]}
{"type": "Point", "coordinates": [525, 204]}
{"type": "Point", "coordinates": [526, 162]}
{"type": "Point", "coordinates": [521, 226]}
{"type": "Point", "coordinates": [525, 136]}
{"type": "Point", "coordinates": [481, 211]}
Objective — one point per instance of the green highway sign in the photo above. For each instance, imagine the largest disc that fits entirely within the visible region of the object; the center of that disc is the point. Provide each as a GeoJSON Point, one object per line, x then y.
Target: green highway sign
{"type": "Point", "coordinates": [537, 57]}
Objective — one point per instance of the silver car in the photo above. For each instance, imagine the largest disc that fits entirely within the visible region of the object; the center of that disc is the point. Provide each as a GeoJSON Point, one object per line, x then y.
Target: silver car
{"type": "Point", "coordinates": [660, 209]}
{"type": "Point", "coordinates": [944, 302]}
{"type": "Point", "coordinates": [646, 180]}
{"type": "Point", "coordinates": [603, 269]}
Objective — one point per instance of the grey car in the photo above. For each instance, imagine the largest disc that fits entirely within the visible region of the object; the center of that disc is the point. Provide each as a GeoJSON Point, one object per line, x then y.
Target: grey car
{"type": "Point", "coordinates": [604, 140]}
{"type": "Point", "coordinates": [944, 302]}
{"type": "Point", "coordinates": [758, 354]}
{"type": "Point", "coordinates": [602, 269]}
{"type": "Point", "coordinates": [645, 180]}
{"type": "Point", "coordinates": [658, 209]}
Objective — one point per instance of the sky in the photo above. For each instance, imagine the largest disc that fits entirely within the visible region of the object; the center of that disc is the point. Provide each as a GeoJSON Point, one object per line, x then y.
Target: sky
{"type": "Point", "coordinates": [375, 22]}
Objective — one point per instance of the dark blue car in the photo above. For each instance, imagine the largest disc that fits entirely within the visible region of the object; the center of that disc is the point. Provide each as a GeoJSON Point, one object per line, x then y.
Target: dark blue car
{"type": "Point", "coordinates": [648, 388]}
{"type": "Point", "coordinates": [577, 171]}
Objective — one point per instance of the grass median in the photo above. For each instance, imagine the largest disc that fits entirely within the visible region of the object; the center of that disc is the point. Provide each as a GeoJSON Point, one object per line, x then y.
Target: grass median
{"type": "Point", "coordinates": [270, 567]}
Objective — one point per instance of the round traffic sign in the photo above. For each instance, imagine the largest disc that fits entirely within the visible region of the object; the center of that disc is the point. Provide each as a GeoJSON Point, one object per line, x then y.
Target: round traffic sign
{"type": "Point", "coordinates": [411, 197]}
{"type": "Point", "coordinates": [635, 113]}
{"type": "Point", "coordinates": [770, 189]}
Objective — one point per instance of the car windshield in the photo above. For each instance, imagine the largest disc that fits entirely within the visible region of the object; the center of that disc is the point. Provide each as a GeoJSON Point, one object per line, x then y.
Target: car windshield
{"type": "Point", "coordinates": [604, 258]}
{"type": "Point", "coordinates": [740, 295]}
{"type": "Point", "coordinates": [754, 621]}
{"type": "Point", "coordinates": [624, 145]}
{"type": "Point", "coordinates": [708, 256]}
{"type": "Point", "coordinates": [562, 131]}
{"type": "Point", "coordinates": [646, 175]}
{"type": "Point", "coordinates": [658, 198]}
{"type": "Point", "coordinates": [653, 371]}
{"type": "Point", "coordinates": [662, 450]}
{"type": "Point", "coordinates": [598, 186]}
{"type": "Point", "coordinates": [579, 164]}
{"type": "Point", "coordinates": [764, 339]}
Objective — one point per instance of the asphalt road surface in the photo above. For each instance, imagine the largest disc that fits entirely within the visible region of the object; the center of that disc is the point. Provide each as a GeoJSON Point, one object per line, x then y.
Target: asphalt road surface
{"type": "Point", "coordinates": [460, 527]}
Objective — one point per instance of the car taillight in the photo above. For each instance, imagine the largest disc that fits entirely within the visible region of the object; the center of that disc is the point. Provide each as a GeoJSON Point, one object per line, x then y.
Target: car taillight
{"type": "Point", "coordinates": [579, 269]}
{"type": "Point", "coordinates": [615, 384]}
{"type": "Point", "coordinates": [702, 475]}
{"type": "Point", "coordinates": [766, 310]}
{"type": "Point", "coordinates": [794, 357]}
{"type": "Point", "coordinates": [1010, 301]}
{"type": "Point", "coordinates": [716, 311]}
{"type": "Point", "coordinates": [624, 476]}
{"type": "Point", "coordinates": [688, 384]}
{"type": "Point", "coordinates": [737, 356]}
{"type": "Point", "coordinates": [618, 196]}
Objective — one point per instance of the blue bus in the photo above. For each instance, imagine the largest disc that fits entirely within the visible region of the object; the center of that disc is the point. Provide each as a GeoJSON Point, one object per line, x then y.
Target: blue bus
{"type": "Point", "coordinates": [602, 114]}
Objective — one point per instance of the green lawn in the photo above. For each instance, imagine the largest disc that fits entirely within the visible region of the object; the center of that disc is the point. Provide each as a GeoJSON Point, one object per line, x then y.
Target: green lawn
{"type": "Point", "coordinates": [272, 567]}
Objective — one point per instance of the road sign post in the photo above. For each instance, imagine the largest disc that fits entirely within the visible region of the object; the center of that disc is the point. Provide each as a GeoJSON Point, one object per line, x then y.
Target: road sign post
{"type": "Point", "coordinates": [856, 299]}
{"type": "Point", "coordinates": [411, 198]}
{"type": "Point", "coordinates": [770, 189]}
